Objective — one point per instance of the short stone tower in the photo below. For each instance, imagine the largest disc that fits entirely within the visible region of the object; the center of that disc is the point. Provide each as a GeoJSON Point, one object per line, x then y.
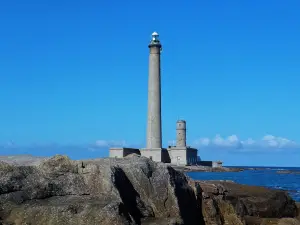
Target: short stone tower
{"type": "Point", "coordinates": [181, 154]}
{"type": "Point", "coordinates": [181, 133]}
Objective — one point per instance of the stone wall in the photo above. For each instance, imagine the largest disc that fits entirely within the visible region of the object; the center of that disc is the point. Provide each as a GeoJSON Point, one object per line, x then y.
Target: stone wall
{"type": "Point", "coordinates": [192, 156]}
{"type": "Point", "coordinates": [122, 152]}
{"type": "Point", "coordinates": [178, 156]}
{"type": "Point", "coordinates": [183, 155]}
{"type": "Point", "coordinates": [213, 164]}
{"type": "Point", "coordinates": [153, 154]}
{"type": "Point", "coordinates": [116, 153]}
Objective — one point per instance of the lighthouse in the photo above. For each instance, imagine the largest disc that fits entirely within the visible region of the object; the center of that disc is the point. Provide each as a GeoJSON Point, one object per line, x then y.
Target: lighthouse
{"type": "Point", "coordinates": [154, 130]}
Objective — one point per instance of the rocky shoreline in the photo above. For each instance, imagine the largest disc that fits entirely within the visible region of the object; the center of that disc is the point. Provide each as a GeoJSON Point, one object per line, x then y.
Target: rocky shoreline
{"type": "Point", "coordinates": [133, 190]}
{"type": "Point", "coordinates": [199, 168]}
{"type": "Point", "coordinates": [205, 169]}
{"type": "Point", "coordinates": [288, 172]}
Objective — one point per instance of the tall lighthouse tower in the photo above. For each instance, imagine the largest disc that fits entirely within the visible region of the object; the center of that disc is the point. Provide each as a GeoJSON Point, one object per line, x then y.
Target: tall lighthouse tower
{"type": "Point", "coordinates": [154, 148]}
{"type": "Point", "coordinates": [154, 131]}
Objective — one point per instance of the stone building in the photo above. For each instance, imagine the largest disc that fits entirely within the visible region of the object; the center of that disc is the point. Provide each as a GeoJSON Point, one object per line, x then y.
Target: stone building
{"type": "Point", "coordinates": [181, 154]}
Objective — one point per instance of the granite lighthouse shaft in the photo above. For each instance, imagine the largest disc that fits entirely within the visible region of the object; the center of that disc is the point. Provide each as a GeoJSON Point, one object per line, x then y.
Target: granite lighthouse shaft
{"type": "Point", "coordinates": [154, 131]}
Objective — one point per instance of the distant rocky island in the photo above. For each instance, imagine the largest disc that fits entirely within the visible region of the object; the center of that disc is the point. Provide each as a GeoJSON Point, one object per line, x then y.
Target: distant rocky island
{"type": "Point", "coordinates": [199, 168]}
{"type": "Point", "coordinates": [288, 172]}
{"type": "Point", "coordinates": [131, 190]}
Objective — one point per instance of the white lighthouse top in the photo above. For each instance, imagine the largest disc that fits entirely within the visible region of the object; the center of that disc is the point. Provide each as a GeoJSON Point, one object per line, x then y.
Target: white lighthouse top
{"type": "Point", "coordinates": [155, 36]}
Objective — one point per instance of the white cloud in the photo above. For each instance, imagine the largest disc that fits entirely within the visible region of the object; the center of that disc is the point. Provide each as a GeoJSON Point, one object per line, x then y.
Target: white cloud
{"type": "Point", "coordinates": [278, 142]}
{"type": "Point", "coordinates": [233, 142]}
{"type": "Point", "coordinates": [203, 142]}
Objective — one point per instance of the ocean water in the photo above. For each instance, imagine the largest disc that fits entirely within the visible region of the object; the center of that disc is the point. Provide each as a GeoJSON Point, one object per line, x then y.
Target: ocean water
{"type": "Point", "coordinates": [264, 176]}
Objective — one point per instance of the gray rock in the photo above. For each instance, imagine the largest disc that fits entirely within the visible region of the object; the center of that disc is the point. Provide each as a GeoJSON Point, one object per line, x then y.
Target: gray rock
{"type": "Point", "coordinates": [22, 160]}
{"type": "Point", "coordinates": [133, 190]}
{"type": "Point", "coordinates": [249, 200]}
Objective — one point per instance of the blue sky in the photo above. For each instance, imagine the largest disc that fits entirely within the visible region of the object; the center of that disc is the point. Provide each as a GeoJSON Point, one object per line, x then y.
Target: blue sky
{"type": "Point", "coordinates": [75, 72]}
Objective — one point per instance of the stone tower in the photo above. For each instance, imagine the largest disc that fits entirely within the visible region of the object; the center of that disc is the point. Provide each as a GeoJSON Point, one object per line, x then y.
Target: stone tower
{"type": "Point", "coordinates": [154, 130]}
{"type": "Point", "coordinates": [181, 133]}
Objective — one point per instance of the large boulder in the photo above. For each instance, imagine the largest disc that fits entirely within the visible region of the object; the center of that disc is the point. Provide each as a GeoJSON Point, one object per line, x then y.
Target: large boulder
{"type": "Point", "coordinates": [133, 190]}
{"type": "Point", "coordinates": [227, 202]}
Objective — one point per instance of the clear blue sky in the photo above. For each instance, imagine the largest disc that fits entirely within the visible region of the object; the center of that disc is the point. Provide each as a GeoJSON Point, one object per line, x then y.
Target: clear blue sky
{"type": "Point", "coordinates": [74, 72]}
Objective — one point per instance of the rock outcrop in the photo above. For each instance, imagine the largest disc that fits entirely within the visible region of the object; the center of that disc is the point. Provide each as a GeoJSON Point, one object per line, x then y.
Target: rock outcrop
{"type": "Point", "coordinates": [236, 204]}
{"type": "Point", "coordinates": [133, 190]}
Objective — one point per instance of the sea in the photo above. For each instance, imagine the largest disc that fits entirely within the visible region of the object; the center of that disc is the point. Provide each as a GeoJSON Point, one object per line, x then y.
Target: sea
{"type": "Point", "coordinates": [260, 176]}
